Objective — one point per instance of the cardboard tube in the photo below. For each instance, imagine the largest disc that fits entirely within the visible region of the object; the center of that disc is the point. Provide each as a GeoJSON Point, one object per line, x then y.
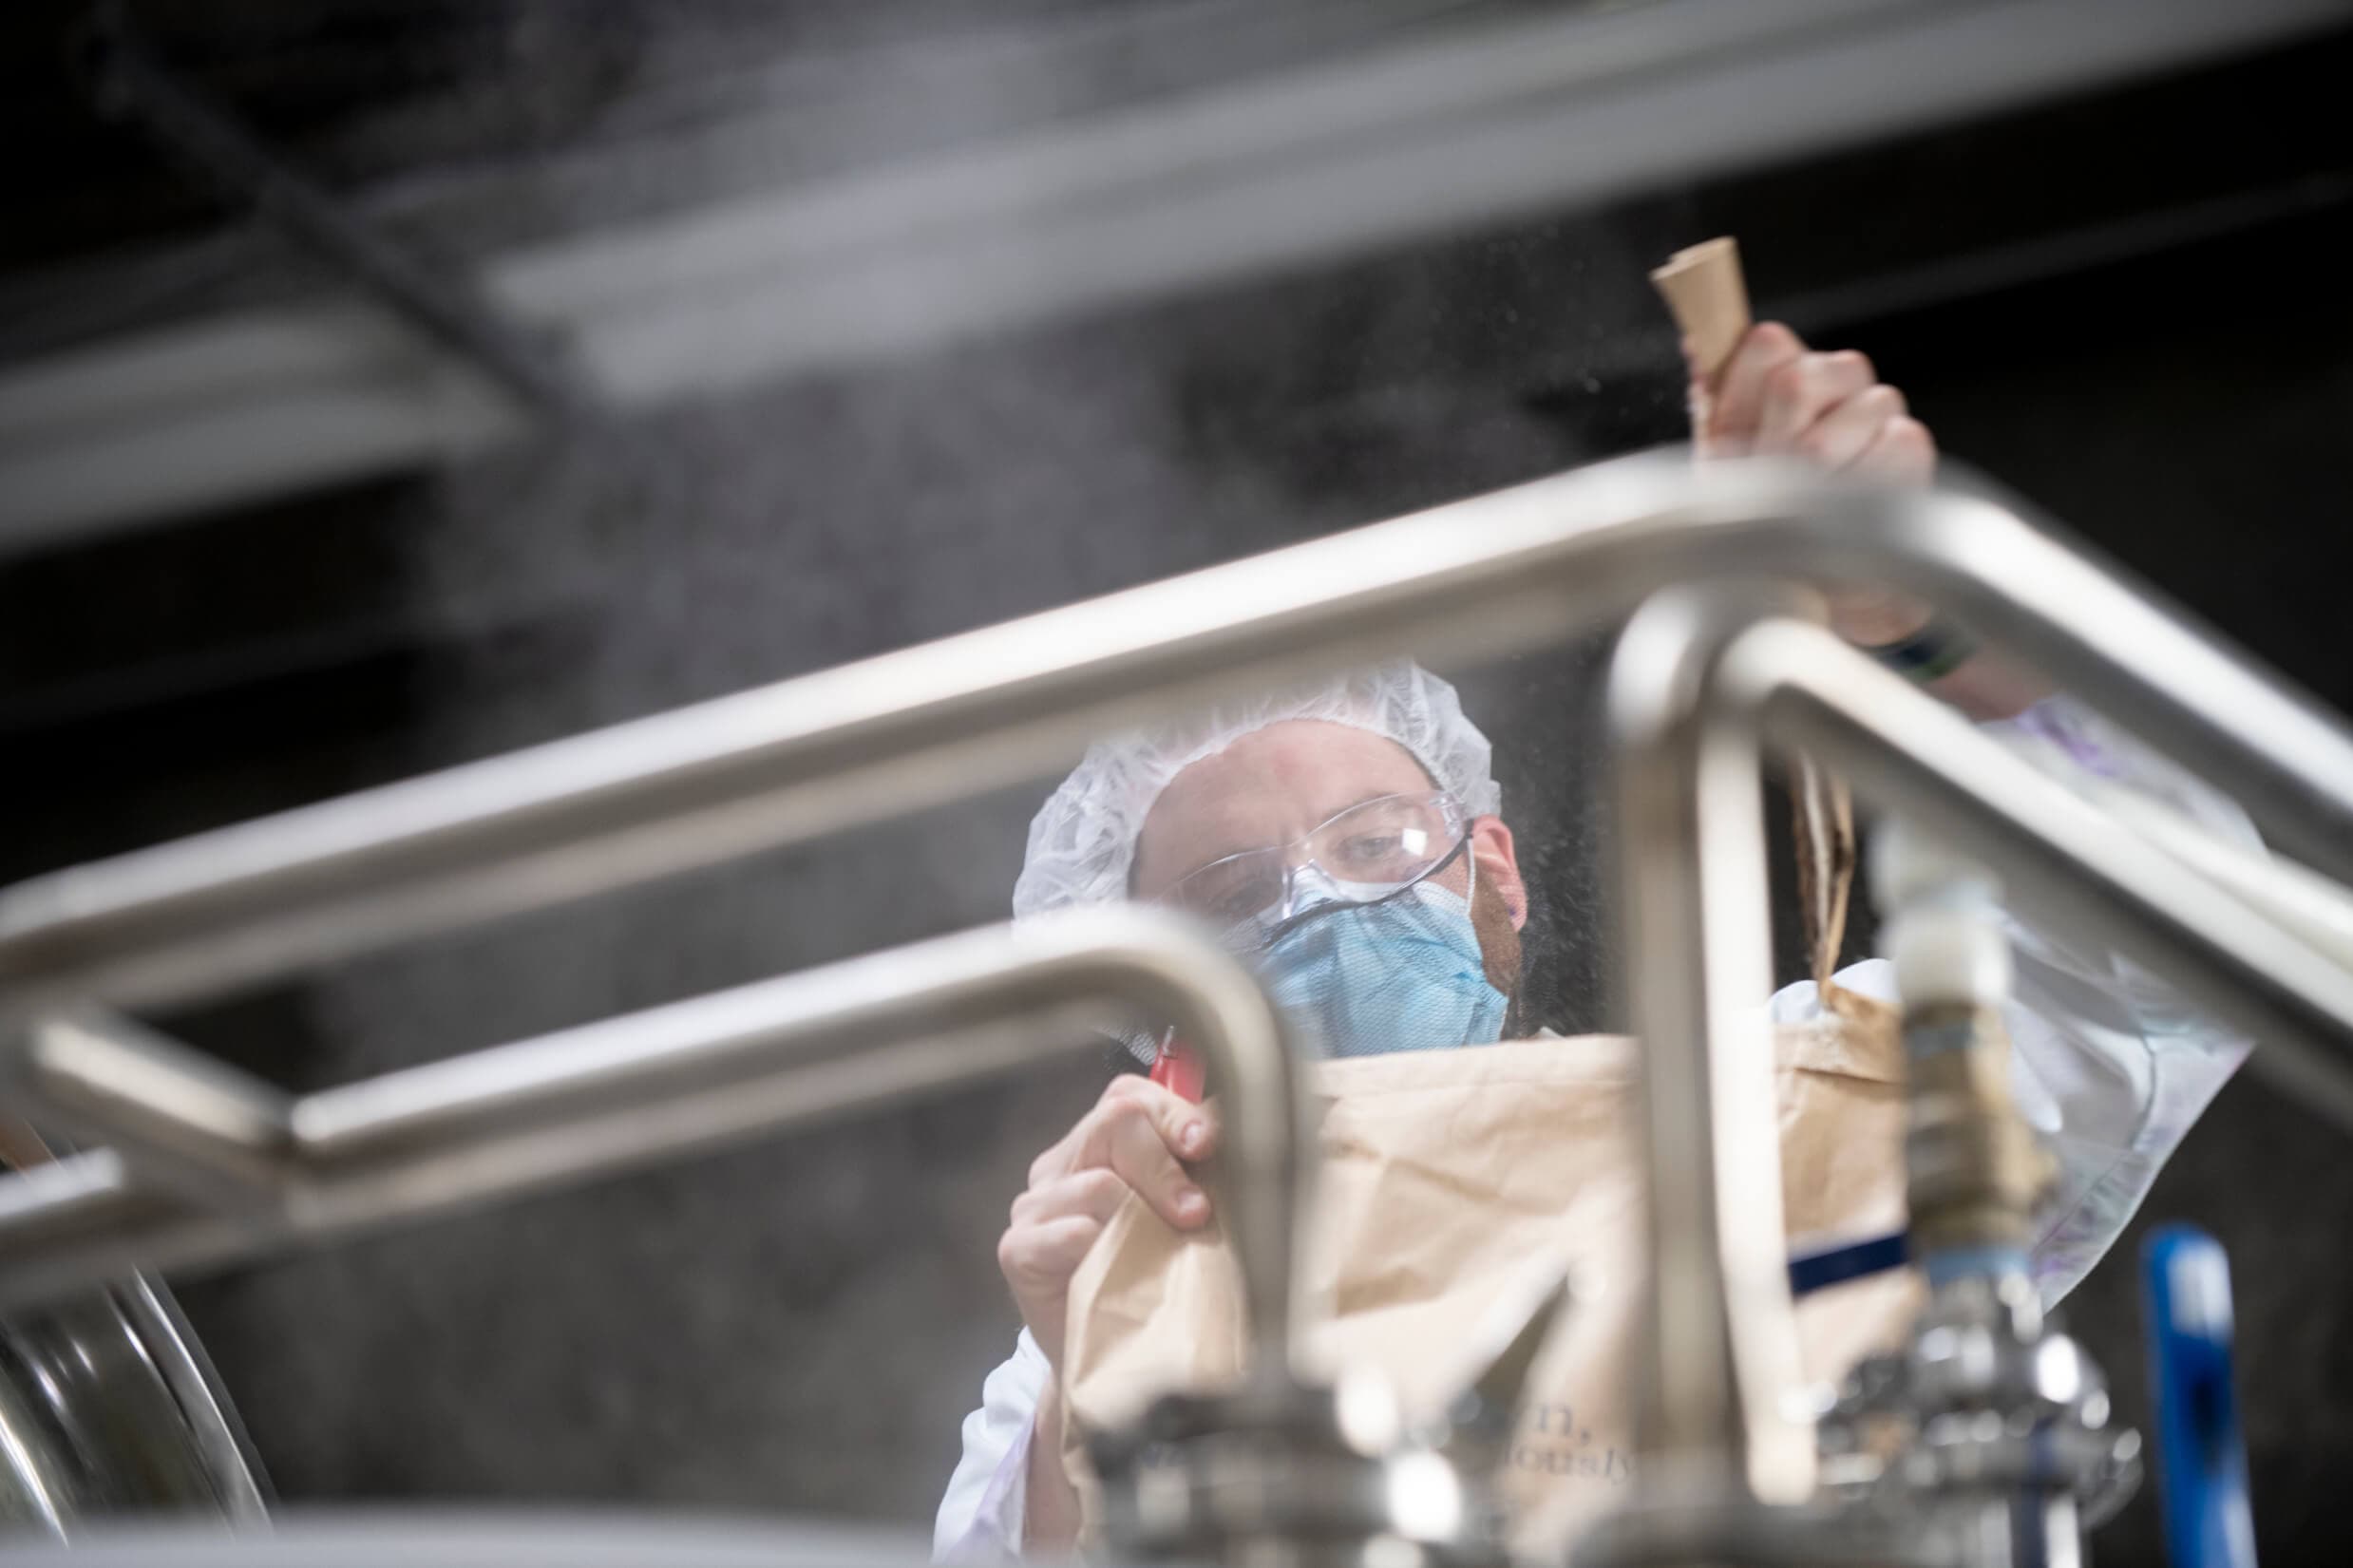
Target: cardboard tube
{"type": "Point", "coordinates": [1709, 299]}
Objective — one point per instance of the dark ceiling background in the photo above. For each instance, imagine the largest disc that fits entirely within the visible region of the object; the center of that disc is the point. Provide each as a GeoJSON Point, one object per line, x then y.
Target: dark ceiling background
{"type": "Point", "coordinates": [2130, 306]}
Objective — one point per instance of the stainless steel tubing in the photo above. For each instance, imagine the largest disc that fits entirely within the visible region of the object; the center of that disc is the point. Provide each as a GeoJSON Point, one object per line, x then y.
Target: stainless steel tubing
{"type": "Point", "coordinates": [2320, 912]}
{"type": "Point", "coordinates": [177, 1117]}
{"type": "Point", "coordinates": [1720, 1346]}
{"type": "Point", "coordinates": [2145, 663]}
{"type": "Point", "coordinates": [2059, 856]}
{"type": "Point", "coordinates": [953, 718]}
{"type": "Point", "coordinates": [712, 1071]}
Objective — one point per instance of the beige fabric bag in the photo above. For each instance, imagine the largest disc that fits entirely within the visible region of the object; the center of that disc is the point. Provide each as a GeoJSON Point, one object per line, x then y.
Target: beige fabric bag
{"type": "Point", "coordinates": [1448, 1178]}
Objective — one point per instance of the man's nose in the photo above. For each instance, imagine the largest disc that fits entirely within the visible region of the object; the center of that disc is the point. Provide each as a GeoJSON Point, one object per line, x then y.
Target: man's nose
{"type": "Point", "coordinates": [1306, 883]}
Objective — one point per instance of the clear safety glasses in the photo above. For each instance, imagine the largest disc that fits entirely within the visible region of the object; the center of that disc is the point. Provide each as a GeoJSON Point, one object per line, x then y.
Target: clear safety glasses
{"type": "Point", "coordinates": [1372, 851]}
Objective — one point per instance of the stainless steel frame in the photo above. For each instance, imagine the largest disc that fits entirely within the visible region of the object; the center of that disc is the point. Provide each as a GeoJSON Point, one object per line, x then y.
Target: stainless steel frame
{"type": "Point", "coordinates": [1704, 682]}
{"type": "Point", "coordinates": [635, 1090]}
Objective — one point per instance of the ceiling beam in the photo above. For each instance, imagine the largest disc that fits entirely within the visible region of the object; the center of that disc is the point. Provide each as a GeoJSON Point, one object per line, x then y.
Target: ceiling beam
{"type": "Point", "coordinates": [1474, 127]}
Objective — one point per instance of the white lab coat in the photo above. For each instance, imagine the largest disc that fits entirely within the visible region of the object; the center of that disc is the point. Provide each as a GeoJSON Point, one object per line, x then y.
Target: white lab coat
{"type": "Point", "coordinates": [2107, 1065]}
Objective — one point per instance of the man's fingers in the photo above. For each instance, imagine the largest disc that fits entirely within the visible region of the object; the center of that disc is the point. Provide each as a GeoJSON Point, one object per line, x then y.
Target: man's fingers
{"type": "Point", "coordinates": [1179, 1131]}
{"type": "Point", "coordinates": [1139, 1154]}
{"type": "Point", "coordinates": [1738, 397]}
{"type": "Point", "coordinates": [1097, 1194]}
{"type": "Point", "coordinates": [1139, 1132]}
{"type": "Point", "coordinates": [1902, 451]}
{"type": "Point", "coordinates": [1188, 1130]}
{"type": "Point", "coordinates": [1083, 1146]}
{"type": "Point", "coordinates": [1848, 429]}
{"type": "Point", "coordinates": [1038, 1261]}
{"type": "Point", "coordinates": [1171, 1112]}
{"type": "Point", "coordinates": [1802, 391]}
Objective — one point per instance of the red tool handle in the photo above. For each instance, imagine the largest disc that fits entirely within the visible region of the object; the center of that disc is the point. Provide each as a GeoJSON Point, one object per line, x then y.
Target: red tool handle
{"type": "Point", "coordinates": [1177, 1069]}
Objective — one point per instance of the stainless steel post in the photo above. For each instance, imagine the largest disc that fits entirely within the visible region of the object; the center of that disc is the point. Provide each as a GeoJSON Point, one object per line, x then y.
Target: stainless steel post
{"type": "Point", "coordinates": [1719, 1342]}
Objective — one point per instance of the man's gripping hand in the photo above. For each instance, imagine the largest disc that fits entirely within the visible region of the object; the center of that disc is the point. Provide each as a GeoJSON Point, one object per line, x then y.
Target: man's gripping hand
{"type": "Point", "coordinates": [1138, 1137]}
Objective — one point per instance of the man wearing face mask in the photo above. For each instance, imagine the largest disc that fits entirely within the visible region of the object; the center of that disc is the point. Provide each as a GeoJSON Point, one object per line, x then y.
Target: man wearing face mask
{"type": "Point", "coordinates": [1347, 838]}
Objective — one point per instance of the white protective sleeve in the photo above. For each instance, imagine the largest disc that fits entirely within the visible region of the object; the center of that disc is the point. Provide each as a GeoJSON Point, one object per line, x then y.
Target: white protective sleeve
{"type": "Point", "coordinates": [981, 1519]}
{"type": "Point", "coordinates": [2108, 1065]}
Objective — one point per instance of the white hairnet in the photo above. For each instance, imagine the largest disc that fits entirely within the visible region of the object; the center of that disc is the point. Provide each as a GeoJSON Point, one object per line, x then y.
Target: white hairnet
{"type": "Point", "coordinates": [1082, 842]}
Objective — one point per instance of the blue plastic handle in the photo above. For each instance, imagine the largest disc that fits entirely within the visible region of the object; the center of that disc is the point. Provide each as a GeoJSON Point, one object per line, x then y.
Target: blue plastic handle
{"type": "Point", "coordinates": [2201, 1453]}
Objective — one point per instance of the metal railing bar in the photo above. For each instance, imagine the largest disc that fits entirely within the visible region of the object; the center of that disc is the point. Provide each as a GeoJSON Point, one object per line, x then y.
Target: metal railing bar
{"type": "Point", "coordinates": [950, 719]}
{"type": "Point", "coordinates": [714, 1070]}
{"type": "Point", "coordinates": [2057, 854]}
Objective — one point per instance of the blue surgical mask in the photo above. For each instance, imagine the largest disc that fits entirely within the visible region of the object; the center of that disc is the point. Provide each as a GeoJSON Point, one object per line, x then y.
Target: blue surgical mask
{"type": "Point", "coordinates": [1402, 975]}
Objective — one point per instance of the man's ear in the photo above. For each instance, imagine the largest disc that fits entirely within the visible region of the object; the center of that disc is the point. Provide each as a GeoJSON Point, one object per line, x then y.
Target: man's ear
{"type": "Point", "coordinates": [1499, 865]}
